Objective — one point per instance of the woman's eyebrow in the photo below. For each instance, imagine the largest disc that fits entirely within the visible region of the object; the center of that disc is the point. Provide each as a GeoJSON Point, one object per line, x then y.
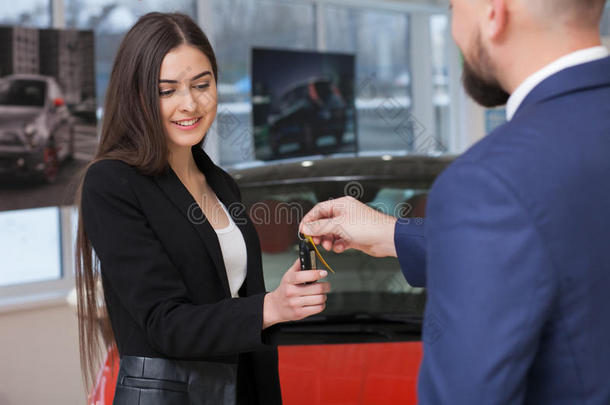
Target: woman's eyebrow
{"type": "Point", "coordinates": [197, 76]}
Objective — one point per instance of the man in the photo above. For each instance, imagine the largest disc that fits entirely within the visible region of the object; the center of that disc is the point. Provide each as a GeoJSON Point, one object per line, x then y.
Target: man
{"type": "Point", "coordinates": [515, 250]}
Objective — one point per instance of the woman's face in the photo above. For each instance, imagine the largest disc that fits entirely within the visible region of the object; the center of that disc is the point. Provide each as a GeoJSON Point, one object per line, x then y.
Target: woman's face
{"type": "Point", "coordinates": [187, 96]}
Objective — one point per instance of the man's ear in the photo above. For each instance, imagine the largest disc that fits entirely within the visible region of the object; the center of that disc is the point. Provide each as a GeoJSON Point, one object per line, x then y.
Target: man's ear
{"type": "Point", "coordinates": [496, 19]}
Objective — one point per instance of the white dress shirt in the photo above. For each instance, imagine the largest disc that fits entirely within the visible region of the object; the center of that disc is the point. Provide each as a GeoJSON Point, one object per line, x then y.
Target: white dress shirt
{"type": "Point", "coordinates": [569, 60]}
{"type": "Point", "coordinates": [234, 253]}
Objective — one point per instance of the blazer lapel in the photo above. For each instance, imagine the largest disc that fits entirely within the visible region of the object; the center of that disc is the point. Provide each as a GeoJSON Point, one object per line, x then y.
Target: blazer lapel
{"type": "Point", "coordinates": [237, 210]}
{"type": "Point", "coordinates": [171, 185]}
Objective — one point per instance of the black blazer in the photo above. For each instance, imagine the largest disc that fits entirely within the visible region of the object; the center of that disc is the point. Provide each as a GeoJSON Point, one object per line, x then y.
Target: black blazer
{"type": "Point", "coordinates": [164, 279]}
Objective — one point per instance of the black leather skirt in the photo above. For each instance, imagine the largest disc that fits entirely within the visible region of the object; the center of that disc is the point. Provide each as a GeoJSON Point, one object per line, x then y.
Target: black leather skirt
{"type": "Point", "coordinates": [158, 381]}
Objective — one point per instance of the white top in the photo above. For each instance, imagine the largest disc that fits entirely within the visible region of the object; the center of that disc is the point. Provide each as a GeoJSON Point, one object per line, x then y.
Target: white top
{"type": "Point", "coordinates": [234, 253]}
{"type": "Point", "coordinates": [569, 60]}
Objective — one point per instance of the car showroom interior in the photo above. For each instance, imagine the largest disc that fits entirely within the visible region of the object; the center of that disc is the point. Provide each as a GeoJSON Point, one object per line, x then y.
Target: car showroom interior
{"type": "Point", "coordinates": [362, 111]}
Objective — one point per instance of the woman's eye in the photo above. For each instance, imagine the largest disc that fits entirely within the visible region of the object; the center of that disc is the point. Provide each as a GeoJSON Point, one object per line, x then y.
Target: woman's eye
{"type": "Point", "coordinates": [202, 86]}
{"type": "Point", "coordinates": [165, 92]}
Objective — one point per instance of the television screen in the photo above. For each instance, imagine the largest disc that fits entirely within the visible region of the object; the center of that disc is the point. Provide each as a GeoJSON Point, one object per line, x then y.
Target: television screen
{"type": "Point", "coordinates": [302, 103]}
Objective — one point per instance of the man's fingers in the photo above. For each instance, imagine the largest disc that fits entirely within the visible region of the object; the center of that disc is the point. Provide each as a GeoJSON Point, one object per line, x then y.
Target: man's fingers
{"type": "Point", "coordinates": [320, 211]}
{"type": "Point", "coordinates": [327, 243]}
{"type": "Point", "coordinates": [322, 227]}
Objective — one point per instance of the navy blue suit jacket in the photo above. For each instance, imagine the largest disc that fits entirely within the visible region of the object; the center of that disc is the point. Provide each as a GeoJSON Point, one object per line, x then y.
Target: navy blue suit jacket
{"type": "Point", "coordinates": [515, 254]}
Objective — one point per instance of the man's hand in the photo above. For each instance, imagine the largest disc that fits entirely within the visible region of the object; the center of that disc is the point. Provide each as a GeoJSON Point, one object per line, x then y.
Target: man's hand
{"type": "Point", "coordinates": [346, 223]}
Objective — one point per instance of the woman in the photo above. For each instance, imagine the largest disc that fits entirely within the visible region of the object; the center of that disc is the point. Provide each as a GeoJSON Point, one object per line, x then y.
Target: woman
{"type": "Point", "coordinates": [180, 260]}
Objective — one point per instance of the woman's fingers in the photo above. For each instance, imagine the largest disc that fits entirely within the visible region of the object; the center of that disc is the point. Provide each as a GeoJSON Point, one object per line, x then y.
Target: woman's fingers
{"type": "Point", "coordinates": [321, 287]}
{"type": "Point", "coordinates": [296, 266]}
{"type": "Point", "coordinates": [312, 300]}
{"type": "Point", "coordinates": [306, 276]}
{"type": "Point", "coordinates": [311, 310]}
{"type": "Point", "coordinates": [298, 296]}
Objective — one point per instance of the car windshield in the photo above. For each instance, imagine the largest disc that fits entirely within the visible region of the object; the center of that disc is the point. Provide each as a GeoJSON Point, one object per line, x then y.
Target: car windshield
{"type": "Point", "coordinates": [323, 89]}
{"type": "Point", "coordinates": [22, 92]}
{"type": "Point", "coordinates": [362, 285]}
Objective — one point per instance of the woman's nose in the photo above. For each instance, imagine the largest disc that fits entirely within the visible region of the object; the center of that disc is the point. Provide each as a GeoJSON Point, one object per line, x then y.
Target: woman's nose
{"type": "Point", "coordinates": [188, 102]}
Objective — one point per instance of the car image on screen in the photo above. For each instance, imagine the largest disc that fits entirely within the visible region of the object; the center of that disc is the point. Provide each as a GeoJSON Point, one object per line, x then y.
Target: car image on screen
{"type": "Point", "coordinates": [305, 108]}
{"type": "Point", "coordinates": [36, 128]}
{"type": "Point", "coordinates": [307, 112]}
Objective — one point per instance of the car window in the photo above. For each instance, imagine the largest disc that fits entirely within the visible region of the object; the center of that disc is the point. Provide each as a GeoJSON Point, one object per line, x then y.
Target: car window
{"type": "Point", "coordinates": [323, 89]}
{"type": "Point", "coordinates": [361, 283]}
{"type": "Point", "coordinates": [29, 93]}
{"type": "Point", "coordinates": [53, 91]}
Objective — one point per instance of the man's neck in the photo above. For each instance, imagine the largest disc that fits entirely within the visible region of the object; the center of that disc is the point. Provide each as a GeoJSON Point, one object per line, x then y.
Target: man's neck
{"type": "Point", "coordinates": [524, 65]}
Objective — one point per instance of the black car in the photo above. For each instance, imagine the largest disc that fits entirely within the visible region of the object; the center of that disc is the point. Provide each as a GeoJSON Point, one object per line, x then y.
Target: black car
{"type": "Point", "coordinates": [307, 112]}
{"type": "Point", "coordinates": [370, 299]}
{"type": "Point", "coordinates": [36, 128]}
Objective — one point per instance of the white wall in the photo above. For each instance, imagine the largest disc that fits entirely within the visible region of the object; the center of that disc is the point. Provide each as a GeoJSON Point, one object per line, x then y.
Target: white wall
{"type": "Point", "coordinates": [39, 361]}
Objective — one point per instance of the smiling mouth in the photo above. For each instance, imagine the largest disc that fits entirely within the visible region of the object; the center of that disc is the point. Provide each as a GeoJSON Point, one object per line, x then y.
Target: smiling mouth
{"type": "Point", "coordinates": [187, 123]}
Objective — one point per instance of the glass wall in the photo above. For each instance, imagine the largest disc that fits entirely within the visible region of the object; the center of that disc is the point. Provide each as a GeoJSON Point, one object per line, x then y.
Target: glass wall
{"type": "Point", "coordinates": [237, 26]}
{"type": "Point", "coordinates": [379, 37]}
{"type": "Point", "coordinates": [110, 20]}
{"type": "Point", "coordinates": [440, 36]}
{"type": "Point", "coordinates": [380, 41]}
{"type": "Point", "coordinates": [27, 13]}
{"type": "Point", "coordinates": [30, 246]}
{"type": "Point", "coordinates": [605, 25]}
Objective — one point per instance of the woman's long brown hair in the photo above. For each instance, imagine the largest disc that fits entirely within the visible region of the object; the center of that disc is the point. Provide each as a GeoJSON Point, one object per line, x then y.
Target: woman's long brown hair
{"type": "Point", "coordinates": [132, 131]}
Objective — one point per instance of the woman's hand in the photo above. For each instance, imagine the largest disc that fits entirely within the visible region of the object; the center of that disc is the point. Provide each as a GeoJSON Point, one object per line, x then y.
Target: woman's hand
{"type": "Point", "coordinates": [294, 299]}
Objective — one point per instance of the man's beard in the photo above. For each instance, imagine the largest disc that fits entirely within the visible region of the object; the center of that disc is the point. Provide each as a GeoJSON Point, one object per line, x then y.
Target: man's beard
{"type": "Point", "coordinates": [479, 82]}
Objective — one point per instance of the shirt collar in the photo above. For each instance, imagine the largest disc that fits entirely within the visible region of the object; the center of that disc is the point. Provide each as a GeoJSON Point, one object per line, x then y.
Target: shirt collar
{"type": "Point", "coordinates": [569, 60]}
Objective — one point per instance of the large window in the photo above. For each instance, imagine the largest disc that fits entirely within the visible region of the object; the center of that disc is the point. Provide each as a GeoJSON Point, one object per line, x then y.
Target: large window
{"type": "Point", "coordinates": [439, 31]}
{"type": "Point", "coordinates": [28, 13]}
{"type": "Point", "coordinates": [30, 246]}
{"type": "Point", "coordinates": [380, 41]}
{"type": "Point", "coordinates": [237, 26]}
{"type": "Point", "coordinates": [379, 33]}
{"type": "Point", "coordinates": [605, 25]}
{"type": "Point", "coordinates": [110, 20]}
{"type": "Point", "coordinates": [380, 36]}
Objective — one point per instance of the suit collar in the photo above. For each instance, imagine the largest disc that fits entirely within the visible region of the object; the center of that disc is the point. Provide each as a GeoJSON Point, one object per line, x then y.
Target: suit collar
{"type": "Point", "coordinates": [175, 190]}
{"type": "Point", "coordinates": [571, 59]}
{"type": "Point", "coordinates": [574, 79]}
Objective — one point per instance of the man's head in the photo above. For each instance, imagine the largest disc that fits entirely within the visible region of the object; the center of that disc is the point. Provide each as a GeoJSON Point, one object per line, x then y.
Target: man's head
{"type": "Point", "coordinates": [504, 41]}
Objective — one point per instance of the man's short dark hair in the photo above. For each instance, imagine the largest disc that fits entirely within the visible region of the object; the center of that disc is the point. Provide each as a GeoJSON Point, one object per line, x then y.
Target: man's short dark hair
{"type": "Point", "coordinates": [578, 13]}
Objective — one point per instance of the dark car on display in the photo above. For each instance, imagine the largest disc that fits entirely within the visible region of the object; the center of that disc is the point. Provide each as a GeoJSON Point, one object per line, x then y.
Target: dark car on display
{"type": "Point", "coordinates": [36, 128]}
{"type": "Point", "coordinates": [365, 347]}
{"type": "Point", "coordinates": [305, 113]}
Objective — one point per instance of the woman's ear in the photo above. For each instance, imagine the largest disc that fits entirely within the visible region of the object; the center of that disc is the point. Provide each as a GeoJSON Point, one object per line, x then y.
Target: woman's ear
{"type": "Point", "coordinates": [496, 19]}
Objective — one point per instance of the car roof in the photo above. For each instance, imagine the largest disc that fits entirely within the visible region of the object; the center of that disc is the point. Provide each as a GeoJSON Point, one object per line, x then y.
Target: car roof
{"type": "Point", "coordinates": [382, 167]}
